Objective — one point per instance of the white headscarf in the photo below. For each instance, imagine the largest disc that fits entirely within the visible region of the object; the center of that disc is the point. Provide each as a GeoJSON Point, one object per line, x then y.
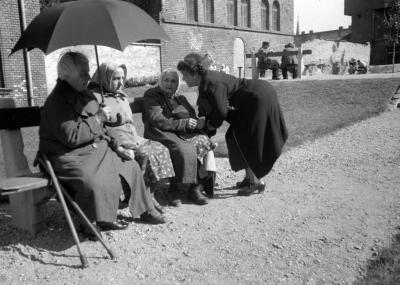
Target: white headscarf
{"type": "Point", "coordinates": [163, 73]}
{"type": "Point", "coordinates": [104, 77]}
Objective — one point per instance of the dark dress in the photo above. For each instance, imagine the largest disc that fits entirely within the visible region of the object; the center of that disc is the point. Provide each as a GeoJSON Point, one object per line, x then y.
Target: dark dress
{"type": "Point", "coordinates": [257, 129]}
{"type": "Point", "coordinates": [75, 143]}
{"type": "Point", "coordinates": [165, 121]}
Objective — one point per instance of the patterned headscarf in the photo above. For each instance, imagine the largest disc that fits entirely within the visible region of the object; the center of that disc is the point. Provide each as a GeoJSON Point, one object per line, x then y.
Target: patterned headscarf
{"type": "Point", "coordinates": [104, 74]}
{"type": "Point", "coordinates": [165, 71]}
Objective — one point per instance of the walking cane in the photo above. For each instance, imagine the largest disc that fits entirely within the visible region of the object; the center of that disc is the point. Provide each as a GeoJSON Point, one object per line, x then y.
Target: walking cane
{"type": "Point", "coordinates": [61, 192]}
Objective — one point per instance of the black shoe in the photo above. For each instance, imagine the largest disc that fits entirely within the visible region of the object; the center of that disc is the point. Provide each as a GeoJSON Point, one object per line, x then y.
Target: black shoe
{"type": "Point", "coordinates": [209, 184]}
{"type": "Point", "coordinates": [247, 191]}
{"type": "Point", "coordinates": [244, 183]}
{"type": "Point", "coordinates": [87, 233]}
{"type": "Point", "coordinates": [196, 196]}
{"type": "Point", "coordinates": [111, 226]}
{"type": "Point", "coordinates": [173, 196]}
{"type": "Point", "coordinates": [151, 218]}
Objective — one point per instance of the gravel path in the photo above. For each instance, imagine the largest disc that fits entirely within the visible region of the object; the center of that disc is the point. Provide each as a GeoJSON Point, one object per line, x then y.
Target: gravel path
{"type": "Point", "coordinates": [330, 206]}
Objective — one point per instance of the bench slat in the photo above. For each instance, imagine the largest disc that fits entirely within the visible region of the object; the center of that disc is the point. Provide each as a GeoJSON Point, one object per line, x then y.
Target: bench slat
{"type": "Point", "coordinates": [15, 118]}
{"type": "Point", "coordinates": [137, 105]}
{"type": "Point", "coordinates": [281, 53]}
{"type": "Point", "coordinates": [23, 183]}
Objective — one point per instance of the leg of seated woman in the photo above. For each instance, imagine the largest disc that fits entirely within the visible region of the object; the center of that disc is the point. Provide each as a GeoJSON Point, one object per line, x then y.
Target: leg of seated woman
{"type": "Point", "coordinates": [140, 202]}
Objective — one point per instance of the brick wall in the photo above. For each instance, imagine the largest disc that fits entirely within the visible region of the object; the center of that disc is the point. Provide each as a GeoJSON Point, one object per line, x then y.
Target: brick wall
{"type": "Point", "coordinates": [13, 66]}
{"type": "Point", "coordinates": [218, 38]}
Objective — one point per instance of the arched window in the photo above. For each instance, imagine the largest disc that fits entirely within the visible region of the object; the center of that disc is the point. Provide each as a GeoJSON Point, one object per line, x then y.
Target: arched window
{"type": "Point", "coordinates": [276, 17]}
{"type": "Point", "coordinates": [265, 14]}
{"type": "Point", "coordinates": [231, 12]}
{"type": "Point", "coordinates": [245, 13]}
{"type": "Point", "coordinates": [191, 10]}
{"type": "Point", "coordinates": [208, 11]}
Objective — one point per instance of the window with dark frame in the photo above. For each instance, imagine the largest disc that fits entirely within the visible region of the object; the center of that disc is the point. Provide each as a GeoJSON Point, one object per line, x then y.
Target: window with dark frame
{"type": "Point", "coordinates": [276, 18]}
{"type": "Point", "coordinates": [209, 11]}
{"type": "Point", "coordinates": [245, 13]}
{"type": "Point", "coordinates": [191, 10]}
{"type": "Point", "coordinates": [231, 12]}
{"type": "Point", "coordinates": [265, 14]}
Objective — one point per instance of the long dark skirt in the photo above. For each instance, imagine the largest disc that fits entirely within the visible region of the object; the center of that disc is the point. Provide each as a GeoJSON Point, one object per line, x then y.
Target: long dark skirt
{"type": "Point", "coordinates": [258, 131]}
{"type": "Point", "coordinates": [92, 175]}
{"type": "Point", "coordinates": [184, 150]}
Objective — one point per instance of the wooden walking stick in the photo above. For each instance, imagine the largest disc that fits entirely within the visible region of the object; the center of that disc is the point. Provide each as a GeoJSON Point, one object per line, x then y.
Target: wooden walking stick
{"type": "Point", "coordinates": [61, 192]}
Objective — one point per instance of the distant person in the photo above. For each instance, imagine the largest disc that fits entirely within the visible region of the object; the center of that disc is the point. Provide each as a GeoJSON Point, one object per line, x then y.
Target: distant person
{"type": "Point", "coordinates": [352, 66]}
{"type": "Point", "coordinates": [257, 130]}
{"type": "Point", "coordinates": [289, 62]}
{"type": "Point", "coordinates": [262, 55]}
{"type": "Point", "coordinates": [361, 67]}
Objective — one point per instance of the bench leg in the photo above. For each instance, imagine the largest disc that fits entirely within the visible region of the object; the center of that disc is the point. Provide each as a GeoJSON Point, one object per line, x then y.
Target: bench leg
{"type": "Point", "coordinates": [28, 209]}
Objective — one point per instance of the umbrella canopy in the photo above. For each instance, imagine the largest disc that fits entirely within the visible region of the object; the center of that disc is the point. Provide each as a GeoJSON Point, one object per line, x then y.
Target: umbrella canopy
{"type": "Point", "coordinates": [112, 23]}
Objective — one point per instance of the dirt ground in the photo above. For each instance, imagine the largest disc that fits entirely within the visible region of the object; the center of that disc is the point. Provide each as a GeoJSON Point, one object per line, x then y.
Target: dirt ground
{"type": "Point", "coordinates": [330, 206]}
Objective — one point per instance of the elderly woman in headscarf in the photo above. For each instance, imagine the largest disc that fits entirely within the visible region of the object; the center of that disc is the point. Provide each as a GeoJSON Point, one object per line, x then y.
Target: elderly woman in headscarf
{"type": "Point", "coordinates": [170, 119]}
{"type": "Point", "coordinates": [152, 156]}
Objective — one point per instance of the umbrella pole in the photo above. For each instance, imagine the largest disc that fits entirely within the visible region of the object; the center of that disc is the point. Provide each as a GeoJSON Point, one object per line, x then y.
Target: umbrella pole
{"type": "Point", "coordinates": [98, 69]}
{"type": "Point", "coordinates": [27, 60]}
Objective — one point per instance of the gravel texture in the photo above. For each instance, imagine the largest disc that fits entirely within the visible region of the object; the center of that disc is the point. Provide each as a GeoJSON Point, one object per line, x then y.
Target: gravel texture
{"type": "Point", "coordinates": [330, 206]}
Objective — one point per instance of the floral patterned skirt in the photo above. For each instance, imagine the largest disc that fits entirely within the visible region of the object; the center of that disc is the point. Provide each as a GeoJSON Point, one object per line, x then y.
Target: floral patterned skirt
{"type": "Point", "coordinates": [203, 145]}
{"type": "Point", "coordinates": [155, 162]}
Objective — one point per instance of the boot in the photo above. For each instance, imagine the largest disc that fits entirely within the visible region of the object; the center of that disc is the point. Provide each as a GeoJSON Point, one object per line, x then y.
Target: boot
{"type": "Point", "coordinates": [209, 184]}
{"type": "Point", "coordinates": [173, 196]}
{"type": "Point", "coordinates": [196, 196]}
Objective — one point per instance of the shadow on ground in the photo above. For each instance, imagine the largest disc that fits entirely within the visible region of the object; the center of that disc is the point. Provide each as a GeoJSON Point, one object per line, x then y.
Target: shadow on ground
{"type": "Point", "coordinates": [55, 228]}
{"type": "Point", "coordinates": [384, 267]}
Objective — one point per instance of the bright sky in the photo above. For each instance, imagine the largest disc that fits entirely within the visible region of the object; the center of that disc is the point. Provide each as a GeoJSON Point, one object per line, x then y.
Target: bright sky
{"type": "Point", "coordinates": [320, 15]}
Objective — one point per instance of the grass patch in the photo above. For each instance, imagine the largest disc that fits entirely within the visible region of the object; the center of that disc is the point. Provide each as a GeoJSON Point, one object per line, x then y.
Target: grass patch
{"type": "Point", "coordinates": [312, 108]}
{"type": "Point", "coordinates": [384, 268]}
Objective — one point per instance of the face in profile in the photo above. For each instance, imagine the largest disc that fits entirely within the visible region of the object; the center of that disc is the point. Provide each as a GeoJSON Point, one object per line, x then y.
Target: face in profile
{"type": "Point", "coordinates": [170, 82]}
{"type": "Point", "coordinates": [190, 79]}
{"type": "Point", "coordinates": [117, 80]}
{"type": "Point", "coordinates": [80, 77]}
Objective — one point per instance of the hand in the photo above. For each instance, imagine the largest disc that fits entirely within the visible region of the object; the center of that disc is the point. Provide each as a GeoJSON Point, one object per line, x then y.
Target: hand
{"type": "Point", "coordinates": [125, 154]}
{"type": "Point", "coordinates": [104, 114]}
{"type": "Point", "coordinates": [191, 123]}
{"type": "Point", "coordinates": [200, 123]}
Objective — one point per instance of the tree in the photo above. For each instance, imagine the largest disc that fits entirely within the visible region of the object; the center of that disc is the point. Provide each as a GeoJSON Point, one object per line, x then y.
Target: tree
{"type": "Point", "coordinates": [392, 24]}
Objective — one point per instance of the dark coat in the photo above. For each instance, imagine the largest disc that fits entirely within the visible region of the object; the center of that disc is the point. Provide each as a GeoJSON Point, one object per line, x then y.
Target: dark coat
{"type": "Point", "coordinates": [262, 57]}
{"type": "Point", "coordinates": [74, 140]}
{"type": "Point", "coordinates": [160, 125]}
{"type": "Point", "coordinates": [289, 60]}
{"type": "Point", "coordinates": [257, 129]}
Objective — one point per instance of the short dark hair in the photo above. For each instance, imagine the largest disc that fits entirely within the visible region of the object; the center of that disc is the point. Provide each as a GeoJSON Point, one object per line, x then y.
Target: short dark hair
{"type": "Point", "coordinates": [265, 43]}
{"type": "Point", "coordinates": [193, 63]}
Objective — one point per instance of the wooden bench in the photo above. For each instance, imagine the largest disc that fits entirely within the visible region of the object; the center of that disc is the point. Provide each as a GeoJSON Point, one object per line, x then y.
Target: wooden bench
{"type": "Point", "coordinates": [299, 54]}
{"type": "Point", "coordinates": [27, 191]}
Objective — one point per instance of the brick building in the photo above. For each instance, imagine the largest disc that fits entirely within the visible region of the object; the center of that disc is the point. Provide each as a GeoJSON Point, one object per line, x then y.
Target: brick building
{"type": "Point", "coordinates": [226, 29]}
{"type": "Point", "coordinates": [368, 26]}
{"type": "Point", "coordinates": [340, 34]}
{"type": "Point", "coordinates": [12, 70]}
